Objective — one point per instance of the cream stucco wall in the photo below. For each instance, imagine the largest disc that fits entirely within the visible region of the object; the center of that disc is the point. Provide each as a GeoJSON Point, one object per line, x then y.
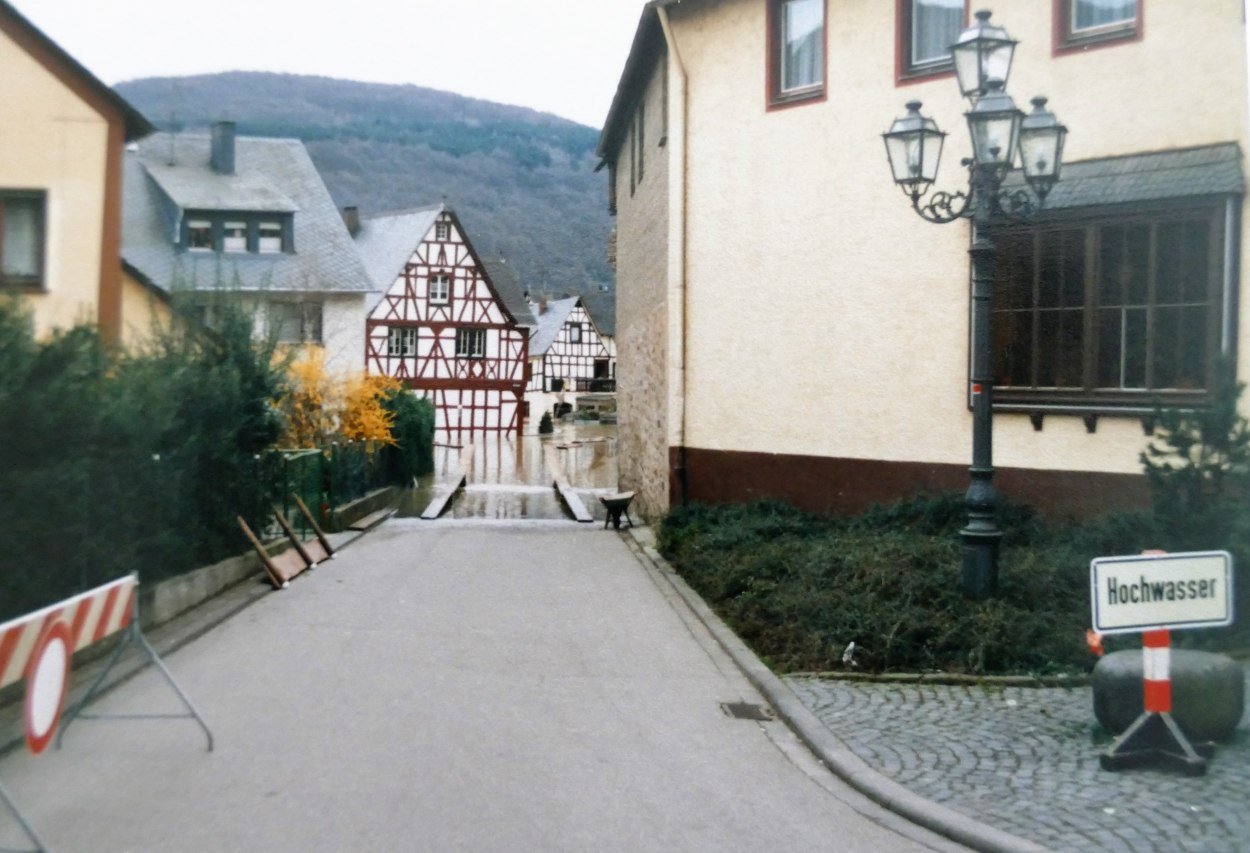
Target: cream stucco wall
{"type": "Point", "coordinates": [145, 314]}
{"type": "Point", "coordinates": [52, 140]}
{"type": "Point", "coordinates": [825, 317]}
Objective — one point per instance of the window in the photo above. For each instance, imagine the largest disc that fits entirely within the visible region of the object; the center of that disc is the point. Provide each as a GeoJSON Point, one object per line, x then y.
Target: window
{"type": "Point", "coordinates": [234, 237]}
{"type": "Point", "coordinates": [796, 50]}
{"type": "Point", "coordinates": [21, 239]}
{"type": "Point", "coordinates": [199, 235]}
{"type": "Point", "coordinates": [1083, 23]}
{"type": "Point", "coordinates": [401, 341]}
{"type": "Point", "coordinates": [926, 31]}
{"type": "Point", "coordinates": [1113, 311]}
{"type": "Point", "coordinates": [575, 333]}
{"type": "Point", "coordinates": [237, 232]}
{"type": "Point", "coordinates": [442, 230]}
{"type": "Point", "coordinates": [295, 322]}
{"type": "Point", "coordinates": [470, 343]}
{"type": "Point", "coordinates": [440, 287]}
{"type": "Point", "coordinates": [269, 237]}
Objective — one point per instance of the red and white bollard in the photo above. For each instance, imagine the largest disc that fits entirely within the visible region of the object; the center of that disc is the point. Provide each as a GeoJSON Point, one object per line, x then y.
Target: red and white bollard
{"type": "Point", "coordinates": [1156, 652]}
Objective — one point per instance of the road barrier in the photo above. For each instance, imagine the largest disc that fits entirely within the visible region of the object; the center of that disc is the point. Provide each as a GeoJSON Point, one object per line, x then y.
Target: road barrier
{"type": "Point", "coordinates": [40, 647]}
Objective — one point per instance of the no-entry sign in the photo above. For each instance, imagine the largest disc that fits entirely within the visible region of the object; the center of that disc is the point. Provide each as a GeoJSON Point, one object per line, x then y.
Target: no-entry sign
{"type": "Point", "coordinates": [1150, 592]}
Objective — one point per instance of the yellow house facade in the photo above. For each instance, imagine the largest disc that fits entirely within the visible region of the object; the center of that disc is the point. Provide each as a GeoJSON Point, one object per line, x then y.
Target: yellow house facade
{"type": "Point", "coordinates": [62, 134]}
{"type": "Point", "coordinates": [788, 327]}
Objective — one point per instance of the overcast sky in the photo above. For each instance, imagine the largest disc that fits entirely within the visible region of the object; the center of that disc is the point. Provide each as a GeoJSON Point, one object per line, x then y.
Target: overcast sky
{"type": "Point", "coordinates": [558, 56]}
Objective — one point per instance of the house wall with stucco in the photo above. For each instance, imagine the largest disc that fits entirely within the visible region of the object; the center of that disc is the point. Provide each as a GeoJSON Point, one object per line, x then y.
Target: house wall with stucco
{"type": "Point", "coordinates": [823, 318]}
{"type": "Point", "coordinates": [54, 141]}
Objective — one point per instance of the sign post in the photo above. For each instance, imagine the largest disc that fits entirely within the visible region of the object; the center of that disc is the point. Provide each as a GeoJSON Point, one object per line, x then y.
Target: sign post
{"type": "Point", "coordinates": [1156, 593]}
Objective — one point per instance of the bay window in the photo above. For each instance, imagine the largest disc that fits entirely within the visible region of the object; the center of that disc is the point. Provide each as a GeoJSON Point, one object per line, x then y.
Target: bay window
{"type": "Point", "coordinates": [1123, 309]}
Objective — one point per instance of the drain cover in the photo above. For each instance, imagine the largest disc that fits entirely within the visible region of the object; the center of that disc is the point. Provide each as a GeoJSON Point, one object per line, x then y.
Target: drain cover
{"type": "Point", "coordinates": [746, 711]}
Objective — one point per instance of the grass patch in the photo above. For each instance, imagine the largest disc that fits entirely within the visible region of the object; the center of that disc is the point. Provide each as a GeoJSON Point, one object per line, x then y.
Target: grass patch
{"type": "Point", "coordinates": [799, 587]}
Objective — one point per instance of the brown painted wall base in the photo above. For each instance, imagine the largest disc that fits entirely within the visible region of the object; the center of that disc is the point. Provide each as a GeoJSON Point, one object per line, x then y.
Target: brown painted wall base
{"type": "Point", "coordinates": [843, 486]}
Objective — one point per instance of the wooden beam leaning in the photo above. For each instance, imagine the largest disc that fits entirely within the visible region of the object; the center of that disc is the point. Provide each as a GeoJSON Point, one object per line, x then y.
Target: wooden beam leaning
{"type": "Point", "coordinates": [283, 566]}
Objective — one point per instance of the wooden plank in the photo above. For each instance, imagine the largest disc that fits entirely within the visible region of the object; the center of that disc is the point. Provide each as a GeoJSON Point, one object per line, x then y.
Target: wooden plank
{"type": "Point", "coordinates": [371, 520]}
{"type": "Point", "coordinates": [571, 500]}
{"type": "Point", "coordinates": [443, 497]}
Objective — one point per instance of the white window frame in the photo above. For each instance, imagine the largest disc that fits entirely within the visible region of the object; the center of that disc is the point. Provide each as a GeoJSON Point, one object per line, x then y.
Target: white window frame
{"type": "Point", "coordinates": [440, 287]}
{"type": "Point", "coordinates": [470, 343]}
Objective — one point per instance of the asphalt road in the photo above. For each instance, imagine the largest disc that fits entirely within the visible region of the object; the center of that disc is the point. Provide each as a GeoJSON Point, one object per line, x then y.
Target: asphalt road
{"type": "Point", "coordinates": [449, 686]}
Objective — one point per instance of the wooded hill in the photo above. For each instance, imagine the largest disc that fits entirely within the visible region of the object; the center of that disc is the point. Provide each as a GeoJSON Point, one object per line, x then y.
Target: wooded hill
{"type": "Point", "coordinates": [522, 182]}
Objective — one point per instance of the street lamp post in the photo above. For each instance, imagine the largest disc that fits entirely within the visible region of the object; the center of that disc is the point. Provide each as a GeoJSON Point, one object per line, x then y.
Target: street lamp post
{"type": "Point", "coordinates": [1000, 133]}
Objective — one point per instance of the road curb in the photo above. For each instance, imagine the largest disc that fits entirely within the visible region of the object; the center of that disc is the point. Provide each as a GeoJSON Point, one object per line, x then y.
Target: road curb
{"type": "Point", "coordinates": [827, 746]}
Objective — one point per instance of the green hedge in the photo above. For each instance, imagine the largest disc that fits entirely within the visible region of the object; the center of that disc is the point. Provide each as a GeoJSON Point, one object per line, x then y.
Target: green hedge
{"type": "Point", "coordinates": [799, 587]}
{"type": "Point", "coordinates": [113, 462]}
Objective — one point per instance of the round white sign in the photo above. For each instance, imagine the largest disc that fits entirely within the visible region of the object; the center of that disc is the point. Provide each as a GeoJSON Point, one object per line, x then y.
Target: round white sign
{"type": "Point", "coordinates": [45, 686]}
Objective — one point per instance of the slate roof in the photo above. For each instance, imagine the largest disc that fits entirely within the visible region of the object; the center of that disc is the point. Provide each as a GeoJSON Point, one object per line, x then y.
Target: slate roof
{"type": "Point", "coordinates": [387, 241]}
{"type": "Point", "coordinates": [549, 323]}
{"type": "Point", "coordinates": [504, 279]}
{"type": "Point", "coordinates": [1131, 178]}
{"type": "Point", "coordinates": [271, 175]}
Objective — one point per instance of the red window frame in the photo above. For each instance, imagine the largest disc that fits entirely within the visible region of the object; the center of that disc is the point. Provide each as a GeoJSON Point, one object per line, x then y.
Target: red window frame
{"type": "Point", "coordinates": [904, 72]}
{"type": "Point", "coordinates": [1066, 41]}
{"type": "Point", "coordinates": [776, 98]}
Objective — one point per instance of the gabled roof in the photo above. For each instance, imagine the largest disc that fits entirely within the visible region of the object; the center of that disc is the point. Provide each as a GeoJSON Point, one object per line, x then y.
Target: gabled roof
{"type": "Point", "coordinates": [648, 45]}
{"type": "Point", "coordinates": [59, 63]}
{"type": "Point", "coordinates": [166, 175]}
{"type": "Point", "coordinates": [387, 241]}
{"type": "Point", "coordinates": [549, 323]}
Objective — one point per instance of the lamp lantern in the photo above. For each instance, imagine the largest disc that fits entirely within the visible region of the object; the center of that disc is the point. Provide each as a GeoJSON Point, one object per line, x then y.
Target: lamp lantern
{"type": "Point", "coordinates": [982, 53]}
{"type": "Point", "coordinates": [1041, 147]}
{"type": "Point", "coordinates": [914, 145]}
{"type": "Point", "coordinates": [994, 122]}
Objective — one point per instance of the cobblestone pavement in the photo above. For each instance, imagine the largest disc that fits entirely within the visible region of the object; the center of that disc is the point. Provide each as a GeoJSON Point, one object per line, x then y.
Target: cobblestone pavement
{"type": "Point", "coordinates": [1025, 760]}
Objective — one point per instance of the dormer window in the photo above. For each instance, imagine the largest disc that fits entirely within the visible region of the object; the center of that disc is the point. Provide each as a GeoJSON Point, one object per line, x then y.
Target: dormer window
{"type": "Point", "coordinates": [200, 235]}
{"type": "Point", "coordinates": [234, 237]}
{"type": "Point", "coordinates": [269, 236]}
{"type": "Point", "coordinates": [238, 232]}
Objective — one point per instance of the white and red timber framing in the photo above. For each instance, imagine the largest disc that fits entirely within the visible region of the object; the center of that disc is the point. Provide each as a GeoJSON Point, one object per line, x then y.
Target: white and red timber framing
{"type": "Point", "coordinates": [441, 326]}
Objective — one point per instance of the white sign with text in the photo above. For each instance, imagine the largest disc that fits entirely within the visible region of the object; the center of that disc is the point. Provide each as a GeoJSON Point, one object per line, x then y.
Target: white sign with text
{"type": "Point", "coordinates": [1149, 592]}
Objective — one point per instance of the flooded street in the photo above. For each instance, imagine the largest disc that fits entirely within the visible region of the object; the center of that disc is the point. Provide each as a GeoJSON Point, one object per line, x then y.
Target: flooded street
{"type": "Point", "coordinates": [509, 478]}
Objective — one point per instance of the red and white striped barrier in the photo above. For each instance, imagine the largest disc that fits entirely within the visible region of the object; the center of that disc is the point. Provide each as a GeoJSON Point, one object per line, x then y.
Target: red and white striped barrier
{"type": "Point", "coordinates": [90, 617]}
{"type": "Point", "coordinates": [1156, 651]}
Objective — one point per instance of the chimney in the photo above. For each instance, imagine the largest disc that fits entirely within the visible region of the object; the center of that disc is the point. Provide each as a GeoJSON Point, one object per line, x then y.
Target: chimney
{"type": "Point", "coordinates": [542, 305]}
{"type": "Point", "coordinates": [351, 218]}
{"type": "Point", "coordinates": [222, 159]}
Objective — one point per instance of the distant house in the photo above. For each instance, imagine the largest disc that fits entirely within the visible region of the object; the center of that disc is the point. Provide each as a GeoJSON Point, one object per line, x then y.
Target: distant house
{"type": "Point", "coordinates": [568, 355]}
{"type": "Point", "coordinates": [246, 219]}
{"type": "Point", "coordinates": [439, 324]}
{"type": "Point", "coordinates": [62, 133]}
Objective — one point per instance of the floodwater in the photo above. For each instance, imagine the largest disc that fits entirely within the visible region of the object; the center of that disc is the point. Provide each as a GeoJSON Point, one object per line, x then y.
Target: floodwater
{"type": "Point", "coordinates": [509, 477]}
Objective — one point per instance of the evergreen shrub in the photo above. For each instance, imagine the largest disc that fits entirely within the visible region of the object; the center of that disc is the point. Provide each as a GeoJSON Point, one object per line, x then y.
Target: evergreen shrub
{"type": "Point", "coordinates": [412, 429]}
{"type": "Point", "coordinates": [799, 587]}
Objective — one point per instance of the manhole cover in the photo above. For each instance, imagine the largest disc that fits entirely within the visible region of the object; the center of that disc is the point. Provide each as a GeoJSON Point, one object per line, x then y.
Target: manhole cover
{"type": "Point", "coordinates": [746, 711]}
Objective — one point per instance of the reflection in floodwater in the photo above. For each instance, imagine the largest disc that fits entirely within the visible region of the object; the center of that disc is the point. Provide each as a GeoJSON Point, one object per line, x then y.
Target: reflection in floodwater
{"type": "Point", "coordinates": [509, 477]}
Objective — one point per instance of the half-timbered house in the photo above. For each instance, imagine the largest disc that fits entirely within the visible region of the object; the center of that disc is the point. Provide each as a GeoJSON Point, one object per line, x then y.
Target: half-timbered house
{"type": "Point", "coordinates": [568, 355]}
{"type": "Point", "coordinates": [439, 325]}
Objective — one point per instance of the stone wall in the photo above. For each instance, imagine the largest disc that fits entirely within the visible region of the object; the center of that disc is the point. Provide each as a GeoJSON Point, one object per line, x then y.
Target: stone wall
{"type": "Point", "coordinates": [642, 262]}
